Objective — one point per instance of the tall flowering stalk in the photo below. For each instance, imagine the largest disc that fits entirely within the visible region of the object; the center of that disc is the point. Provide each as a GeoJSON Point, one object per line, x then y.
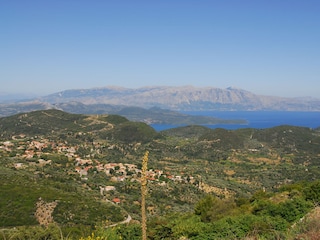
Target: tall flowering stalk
{"type": "Point", "coordinates": [143, 195]}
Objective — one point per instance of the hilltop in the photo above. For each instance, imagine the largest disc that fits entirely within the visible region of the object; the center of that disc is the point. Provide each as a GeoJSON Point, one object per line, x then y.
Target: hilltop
{"type": "Point", "coordinates": [56, 123]}
{"type": "Point", "coordinates": [152, 115]}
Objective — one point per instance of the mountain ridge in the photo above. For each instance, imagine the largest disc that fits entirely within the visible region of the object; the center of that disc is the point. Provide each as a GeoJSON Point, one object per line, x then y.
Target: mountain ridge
{"type": "Point", "coordinates": [184, 98]}
{"type": "Point", "coordinates": [113, 99]}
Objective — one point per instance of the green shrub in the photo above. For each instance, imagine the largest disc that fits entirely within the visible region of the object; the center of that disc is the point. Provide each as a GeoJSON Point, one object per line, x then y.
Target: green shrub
{"type": "Point", "coordinates": [52, 232]}
{"type": "Point", "coordinates": [211, 208]}
{"type": "Point", "coordinates": [312, 192]}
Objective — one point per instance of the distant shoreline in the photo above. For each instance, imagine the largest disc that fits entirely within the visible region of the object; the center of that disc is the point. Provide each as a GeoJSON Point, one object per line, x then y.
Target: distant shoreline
{"type": "Point", "coordinates": [255, 119]}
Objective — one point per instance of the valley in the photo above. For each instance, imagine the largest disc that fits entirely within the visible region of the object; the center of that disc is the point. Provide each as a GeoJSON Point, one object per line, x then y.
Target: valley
{"type": "Point", "coordinates": [89, 167]}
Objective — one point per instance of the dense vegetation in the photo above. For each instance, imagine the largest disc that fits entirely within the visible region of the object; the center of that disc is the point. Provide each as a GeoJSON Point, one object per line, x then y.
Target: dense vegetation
{"type": "Point", "coordinates": [202, 184]}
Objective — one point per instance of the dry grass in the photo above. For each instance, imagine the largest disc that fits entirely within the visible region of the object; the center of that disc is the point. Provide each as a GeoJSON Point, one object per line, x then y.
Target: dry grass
{"type": "Point", "coordinates": [309, 227]}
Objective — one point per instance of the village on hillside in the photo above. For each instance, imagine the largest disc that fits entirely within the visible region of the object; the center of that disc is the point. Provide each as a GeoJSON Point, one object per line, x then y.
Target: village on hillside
{"type": "Point", "coordinates": [34, 154]}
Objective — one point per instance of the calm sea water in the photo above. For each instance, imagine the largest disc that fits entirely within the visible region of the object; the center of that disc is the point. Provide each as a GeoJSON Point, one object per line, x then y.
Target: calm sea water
{"type": "Point", "coordinates": [256, 119]}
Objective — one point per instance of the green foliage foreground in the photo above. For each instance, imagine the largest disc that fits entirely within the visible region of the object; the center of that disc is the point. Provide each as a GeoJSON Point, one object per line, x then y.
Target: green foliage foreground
{"type": "Point", "coordinates": [263, 216]}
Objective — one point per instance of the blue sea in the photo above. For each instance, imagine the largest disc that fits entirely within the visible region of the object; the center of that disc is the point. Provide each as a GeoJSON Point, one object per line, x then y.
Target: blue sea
{"type": "Point", "coordinates": [256, 119]}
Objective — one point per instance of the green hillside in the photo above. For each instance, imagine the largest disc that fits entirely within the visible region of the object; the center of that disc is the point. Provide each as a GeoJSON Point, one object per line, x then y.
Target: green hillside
{"type": "Point", "coordinates": [57, 123]}
{"type": "Point", "coordinates": [79, 173]}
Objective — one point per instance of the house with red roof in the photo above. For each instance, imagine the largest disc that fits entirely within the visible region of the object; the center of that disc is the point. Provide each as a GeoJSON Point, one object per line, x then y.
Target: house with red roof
{"type": "Point", "coordinates": [116, 200]}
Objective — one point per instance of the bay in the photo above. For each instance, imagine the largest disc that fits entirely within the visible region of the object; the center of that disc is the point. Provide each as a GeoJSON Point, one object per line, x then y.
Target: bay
{"type": "Point", "coordinates": [255, 119]}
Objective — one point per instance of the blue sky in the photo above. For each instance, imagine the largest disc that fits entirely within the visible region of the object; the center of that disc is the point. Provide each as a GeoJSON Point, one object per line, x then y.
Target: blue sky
{"type": "Point", "coordinates": [269, 47]}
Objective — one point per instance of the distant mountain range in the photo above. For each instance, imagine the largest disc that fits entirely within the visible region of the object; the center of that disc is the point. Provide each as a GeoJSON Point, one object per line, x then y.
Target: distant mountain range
{"type": "Point", "coordinates": [184, 98]}
{"type": "Point", "coordinates": [116, 100]}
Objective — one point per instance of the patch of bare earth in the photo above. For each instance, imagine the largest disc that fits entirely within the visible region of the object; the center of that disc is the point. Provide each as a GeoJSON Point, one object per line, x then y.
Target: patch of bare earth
{"type": "Point", "coordinates": [44, 212]}
{"type": "Point", "coordinates": [219, 191]}
{"type": "Point", "coordinates": [264, 160]}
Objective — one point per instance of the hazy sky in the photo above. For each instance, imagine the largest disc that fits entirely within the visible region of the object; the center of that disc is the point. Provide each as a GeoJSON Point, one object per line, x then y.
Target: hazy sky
{"type": "Point", "coordinates": [269, 47]}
